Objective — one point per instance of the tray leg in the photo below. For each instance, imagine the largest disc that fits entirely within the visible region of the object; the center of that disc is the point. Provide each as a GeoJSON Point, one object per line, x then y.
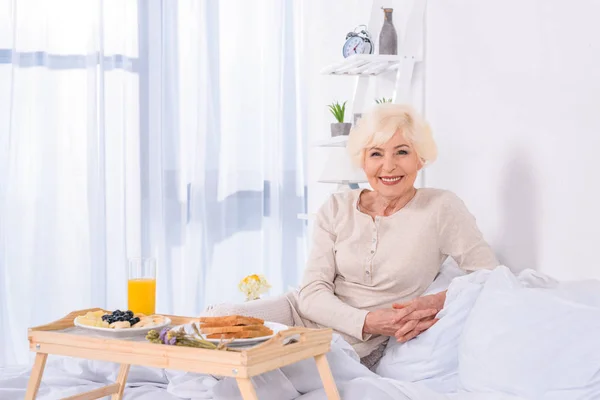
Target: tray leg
{"type": "Point", "coordinates": [36, 376]}
{"type": "Point", "coordinates": [247, 389]}
{"type": "Point", "coordinates": [327, 378]}
{"type": "Point", "coordinates": [121, 381]}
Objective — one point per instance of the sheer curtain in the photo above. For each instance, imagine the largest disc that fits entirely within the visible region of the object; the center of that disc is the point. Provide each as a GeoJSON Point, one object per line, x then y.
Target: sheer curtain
{"type": "Point", "coordinates": [153, 128]}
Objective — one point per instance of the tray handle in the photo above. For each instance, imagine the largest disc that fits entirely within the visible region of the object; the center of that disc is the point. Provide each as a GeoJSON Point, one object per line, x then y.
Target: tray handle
{"type": "Point", "coordinates": [288, 337]}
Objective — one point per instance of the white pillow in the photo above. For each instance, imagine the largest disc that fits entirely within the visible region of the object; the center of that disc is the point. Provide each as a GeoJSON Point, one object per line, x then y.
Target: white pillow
{"type": "Point", "coordinates": [432, 357]}
{"type": "Point", "coordinates": [538, 343]}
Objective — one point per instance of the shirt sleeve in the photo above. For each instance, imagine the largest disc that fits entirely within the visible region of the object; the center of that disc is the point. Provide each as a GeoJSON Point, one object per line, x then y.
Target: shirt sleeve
{"type": "Point", "coordinates": [460, 238]}
{"type": "Point", "coordinates": [317, 300]}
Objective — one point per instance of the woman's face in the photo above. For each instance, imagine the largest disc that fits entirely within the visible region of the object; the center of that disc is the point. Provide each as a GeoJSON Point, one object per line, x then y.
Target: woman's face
{"type": "Point", "coordinates": [392, 168]}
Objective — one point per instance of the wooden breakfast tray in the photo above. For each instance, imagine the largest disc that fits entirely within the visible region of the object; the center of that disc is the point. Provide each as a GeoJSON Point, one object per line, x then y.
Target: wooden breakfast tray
{"type": "Point", "coordinates": [286, 347]}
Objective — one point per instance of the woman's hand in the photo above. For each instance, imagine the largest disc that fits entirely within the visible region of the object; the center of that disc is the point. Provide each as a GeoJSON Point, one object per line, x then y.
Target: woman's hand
{"type": "Point", "coordinates": [425, 302]}
{"type": "Point", "coordinates": [389, 321]}
{"type": "Point", "coordinates": [412, 327]}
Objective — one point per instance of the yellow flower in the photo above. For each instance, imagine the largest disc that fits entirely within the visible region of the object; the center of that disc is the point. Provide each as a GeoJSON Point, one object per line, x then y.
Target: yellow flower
{"type": "Point", "coordinates": [251, 278]}
{"type": "Point", "coordinates": [253, 286]}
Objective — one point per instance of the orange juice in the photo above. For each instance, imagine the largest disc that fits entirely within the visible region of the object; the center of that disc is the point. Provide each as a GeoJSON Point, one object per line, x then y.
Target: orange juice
{"type": "Point", "coordinates": [142, 295]}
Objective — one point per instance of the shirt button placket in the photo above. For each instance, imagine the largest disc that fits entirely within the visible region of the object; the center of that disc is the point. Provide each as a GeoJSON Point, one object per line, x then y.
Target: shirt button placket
{"type": "Point", "coordinates": [369, 265]}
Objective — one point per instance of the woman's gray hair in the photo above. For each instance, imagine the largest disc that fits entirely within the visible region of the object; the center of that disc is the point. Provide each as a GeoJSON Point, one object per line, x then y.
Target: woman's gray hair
{"type": "Point", "coordinates": [381, 123]}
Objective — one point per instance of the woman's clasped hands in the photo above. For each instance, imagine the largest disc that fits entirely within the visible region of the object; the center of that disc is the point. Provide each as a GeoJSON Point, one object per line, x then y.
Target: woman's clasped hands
{"type": "Point", "coordinates": [407, 320]}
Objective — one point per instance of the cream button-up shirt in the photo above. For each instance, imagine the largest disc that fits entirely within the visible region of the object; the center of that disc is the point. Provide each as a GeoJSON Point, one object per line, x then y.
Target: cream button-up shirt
{"type": "Point", "coordinates": [359, 264]}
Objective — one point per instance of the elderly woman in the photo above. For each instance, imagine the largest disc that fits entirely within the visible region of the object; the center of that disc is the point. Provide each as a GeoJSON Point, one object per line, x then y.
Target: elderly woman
{"type": "Point", "coordinates": [376, 251]}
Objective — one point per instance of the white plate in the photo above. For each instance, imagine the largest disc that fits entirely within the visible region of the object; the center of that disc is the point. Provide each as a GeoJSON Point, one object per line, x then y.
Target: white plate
{"type": "Point", "coordinates": [274, 326]}
{"type": "Point", "coordinates": [125, 332]}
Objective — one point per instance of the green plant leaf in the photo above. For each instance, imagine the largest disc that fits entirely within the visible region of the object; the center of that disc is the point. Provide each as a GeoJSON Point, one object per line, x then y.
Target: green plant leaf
{"type": "Point", "coordinates": [338, 110]}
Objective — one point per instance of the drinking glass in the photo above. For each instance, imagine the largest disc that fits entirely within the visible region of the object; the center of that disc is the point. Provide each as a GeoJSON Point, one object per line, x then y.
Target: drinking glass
{"type": "Point", "coordinates": [141, 286]}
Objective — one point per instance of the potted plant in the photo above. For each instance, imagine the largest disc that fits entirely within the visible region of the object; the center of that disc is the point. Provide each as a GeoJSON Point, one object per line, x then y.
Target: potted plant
{"type": "Point", "coordinates": [340, 127]}
{"type": "Point", "coordinates": [383, 100]}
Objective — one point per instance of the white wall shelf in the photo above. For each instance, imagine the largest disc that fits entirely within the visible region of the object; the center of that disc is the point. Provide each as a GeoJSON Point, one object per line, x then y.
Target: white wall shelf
{"type": "Point", "coordinates": [364, 64]}
{"type": "Point", "coordinates": [336, 141]}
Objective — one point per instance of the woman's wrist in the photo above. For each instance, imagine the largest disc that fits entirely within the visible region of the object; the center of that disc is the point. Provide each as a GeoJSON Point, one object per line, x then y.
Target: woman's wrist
{"type": "Point", "coordinates": [367, 324]}
{"type": "Point", "coordinates": [441, 299]}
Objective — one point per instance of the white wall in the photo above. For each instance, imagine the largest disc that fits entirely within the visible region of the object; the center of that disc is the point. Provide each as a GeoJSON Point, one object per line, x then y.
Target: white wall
{"type": "Point", "coordinates": [513, 94]}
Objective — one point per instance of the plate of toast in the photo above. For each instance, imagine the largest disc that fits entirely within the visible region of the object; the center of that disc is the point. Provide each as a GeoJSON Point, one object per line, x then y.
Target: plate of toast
{"type": "Point", "coordinates": [241, 329]}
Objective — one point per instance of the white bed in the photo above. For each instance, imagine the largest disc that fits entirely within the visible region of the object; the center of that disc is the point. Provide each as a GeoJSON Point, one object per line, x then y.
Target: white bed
{"type": "Point", "coordinates": [500, 337]}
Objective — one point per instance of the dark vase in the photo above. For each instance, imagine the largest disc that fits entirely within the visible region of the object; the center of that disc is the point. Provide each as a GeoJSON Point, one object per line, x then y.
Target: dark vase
{"type": "Point", "coordinates": [388, 38]}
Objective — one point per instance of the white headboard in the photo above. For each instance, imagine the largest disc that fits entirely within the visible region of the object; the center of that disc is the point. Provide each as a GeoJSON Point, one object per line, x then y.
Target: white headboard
{"type": "Point", "coordinates": [513, 95]}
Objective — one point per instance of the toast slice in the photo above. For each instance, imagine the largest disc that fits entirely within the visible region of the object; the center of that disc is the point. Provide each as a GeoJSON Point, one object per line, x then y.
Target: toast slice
{"type": "Point", "coordinates": [240, 335]}
{"type": "Point", "coordinates": [232, 329]}
{"type": "Point", "coordinates": [231, 320]}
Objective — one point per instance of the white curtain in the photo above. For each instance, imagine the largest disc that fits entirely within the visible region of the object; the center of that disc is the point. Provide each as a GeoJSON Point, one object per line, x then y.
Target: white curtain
{"type": "Point", "coordinates": [170, 129]}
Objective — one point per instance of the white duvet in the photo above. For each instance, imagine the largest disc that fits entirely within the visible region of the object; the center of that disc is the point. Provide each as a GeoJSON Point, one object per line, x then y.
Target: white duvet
{"type": "Point", "coordinates": [500, 337]}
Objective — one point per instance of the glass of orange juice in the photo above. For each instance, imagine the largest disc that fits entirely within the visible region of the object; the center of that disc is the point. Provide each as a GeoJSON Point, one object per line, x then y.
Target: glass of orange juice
{"type": "Point", "coordinates": [141, 286]}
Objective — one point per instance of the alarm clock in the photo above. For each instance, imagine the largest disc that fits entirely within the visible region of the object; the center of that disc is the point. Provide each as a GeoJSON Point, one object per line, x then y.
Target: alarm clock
{"type": "Point", "coordinates": [358, 42]}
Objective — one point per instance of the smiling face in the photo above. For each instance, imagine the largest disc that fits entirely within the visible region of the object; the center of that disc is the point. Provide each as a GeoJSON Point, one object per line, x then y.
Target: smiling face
{"type": "Point", "coordinates": [392, 167]}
